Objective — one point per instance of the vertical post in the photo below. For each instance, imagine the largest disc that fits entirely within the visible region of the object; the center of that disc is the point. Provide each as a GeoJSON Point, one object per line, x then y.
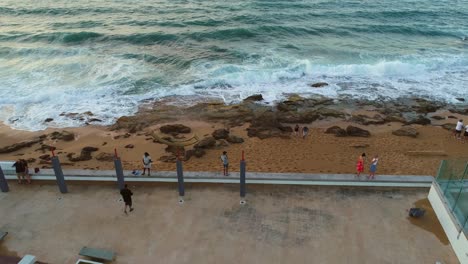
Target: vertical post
{"type": "Point", "coordinates": [119, 171]}
{"type": "Point", "coordinates": [180, 179]}
{"type": "Point", "coordinates": [3, 183]}
{"type": "Point", "coordinates": [59, 174]}
{"type": "Point", "coordinates": [242, 179]}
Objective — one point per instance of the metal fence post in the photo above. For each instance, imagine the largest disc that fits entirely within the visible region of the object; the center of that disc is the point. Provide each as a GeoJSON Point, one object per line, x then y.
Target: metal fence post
{"type": "Point", "coordinates": [242, 179]}
{"type": "Point", "coordinates": [180, 179]}
{"type": "Point", "coordinates": [119, 171]}
{"type": "Point", "coordinates": [59, 173]}
{"type": "Point", "coordinates": [3, 182]}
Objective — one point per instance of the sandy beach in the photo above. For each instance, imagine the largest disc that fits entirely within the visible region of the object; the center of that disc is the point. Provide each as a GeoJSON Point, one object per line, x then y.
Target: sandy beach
{"type": "Point", "coordinates": [317, 153]}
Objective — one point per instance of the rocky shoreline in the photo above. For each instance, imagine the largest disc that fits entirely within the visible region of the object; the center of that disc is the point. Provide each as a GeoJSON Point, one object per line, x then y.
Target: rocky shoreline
{"type": "Point", "coordinates": [167, 125]}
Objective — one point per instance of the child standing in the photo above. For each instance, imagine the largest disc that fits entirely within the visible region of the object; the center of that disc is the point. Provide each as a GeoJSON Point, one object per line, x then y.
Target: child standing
{"type": "Point", "coordinates": [373, 167]}
{"type": "Point", "coordinates": [360, 164]}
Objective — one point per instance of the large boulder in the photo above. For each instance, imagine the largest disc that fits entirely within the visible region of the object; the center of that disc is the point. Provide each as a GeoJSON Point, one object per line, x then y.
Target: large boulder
{"type": "Point", "coordinates": [406, 132]}
{"type": "Point", "coordinates": [234, 139]}
{"type": "Point", "coordinates": [255, 97]}
{"type": "Point", "coordinates": [337, 131]}
{"type": "Point", "coordinates": [175, 129]}
{"type": "Point", "coordinates": [419, 120]}
{"type": "Point", "coordinates": [84, 155]}
{"type": "Point", "coordinates": [319, 84]}
{"type": "Point", "coordinates": [220, 133]}
{"type": "Point", "coordinates": [64, 135]}
{"type": "Point", "coordinates": [205, 143]}
{"type": "Point", "coordinates": [357, 132]}
{"type": "Point", "coordinates": [105, 156]}
{"type": "Point", "coordinates": [18, 146]}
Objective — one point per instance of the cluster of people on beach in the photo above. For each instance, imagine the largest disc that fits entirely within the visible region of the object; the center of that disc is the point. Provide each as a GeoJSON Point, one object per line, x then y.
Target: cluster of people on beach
{"type": "Point", "coordinates": [372, 167]}
{"type": "Point", "coordinates": [304, 131]}
{"type": "Point", "coordinates": [460, 129]}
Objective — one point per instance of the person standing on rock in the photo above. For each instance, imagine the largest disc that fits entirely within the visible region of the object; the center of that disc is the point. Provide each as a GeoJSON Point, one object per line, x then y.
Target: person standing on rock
{"type": "Point", "coordinates": [373, 167]}
{"type": "Point", "coordinates": [127, 198]}
{"type": "Point", "coordinates": [147, 163]}
{"type": "Point", "coordinates": [360, 164]}
{"type": "Point", "coordinates": [225, 160]}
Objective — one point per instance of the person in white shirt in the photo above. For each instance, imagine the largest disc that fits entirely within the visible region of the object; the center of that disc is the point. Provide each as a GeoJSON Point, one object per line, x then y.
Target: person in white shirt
{"type": "Point", "coordinates": [458, 129]}
{"type": "Point", "coordinates": [147, 163]}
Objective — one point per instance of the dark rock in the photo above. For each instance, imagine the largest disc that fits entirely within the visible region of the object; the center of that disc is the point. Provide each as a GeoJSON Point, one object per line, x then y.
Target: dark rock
{"type": "Point", "coordinates": [337, 131]}
{"type": "Point", "coordinates": [104, 143]}
{"type": "Point", "coordinates": [90, 149]}
{"type": "Point", "coordinates": [31, 160]}
{"type": "Point", "coordinates": [45, 157]}
{"type": "Point", "coordinates": [88, 113]}
{"type": "Point", "coordinates": [449, 126]}
{"type": "Point", "coordinates": [406, 131]}
{"type": "Point", "coordinates": [436, 117]}
{"type": "Point", "coordinates": [235, 139]}
{"type": "Point", "coordinates": [419, 120]}
{"type": "Point", "coordinates": [127, 135]}
{"type": "Point", "coordinates": [452, 117]}
{"type": "Point", "coordinates": [45, 147]}
{"type": "Point", "coordinates": [47, 120]}
{"type": "Point", "coordinates": [357, 146]}
{"type": "Point", "coordinates": [220, 133]}
{"type": "Point", "coordinates": [366, 120]}
{"type": "Point", "coordinates": [303, 117]}
{"type": "Point", "coordinates": [105, 156]}
{"type": "Point", "coordinates": [94, 120]}
{"type": "Point", "coordinates": [357, 132]}
{"type": "Point", "coordinates": [327, 112]}
{"type": "Point", "coordinates": [395, 118]}
{"type": "Point", "coordinates": [42, 136]}
{"type": "Point", "coordinates": [175, 128]}
{"type": "Point", "coordinates": [197, 152]}
{"type": "Point", "coordinates": [64, 135]}
{"type": "Point", "coordinates": [222, 143]}
{"type": "Point", "coordinates": [425, 106]}
{"type": "Point", "coordinates": [129, 146]}
{"type": "Point", "coordinates": [18, 146]}
{"type": "Point", "coordinates": [286, 106]}
{"type": "Point", "coordinates": [176, 150]}
{"type": "Point", "coordinates": [255, 97]}
{"type": "Point", "coordinates": [205, 143]}
{"type": "Point", "coordinates": [460, 99]}
{"type": "Point", "coordinates": [460, 111]}
{"type": "Point", "coordinates": [319, 84]}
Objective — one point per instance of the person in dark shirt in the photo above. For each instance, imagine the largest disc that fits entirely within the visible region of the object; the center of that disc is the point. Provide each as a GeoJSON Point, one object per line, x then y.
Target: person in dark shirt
{"type": "Point", "coordinates": [20, 167]}
{"type": "Point", "coordinates": [127, 197]}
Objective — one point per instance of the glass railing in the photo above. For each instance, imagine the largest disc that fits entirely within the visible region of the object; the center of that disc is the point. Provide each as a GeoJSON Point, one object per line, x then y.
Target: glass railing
{"type": "Point", "coordinates": [453, 181]}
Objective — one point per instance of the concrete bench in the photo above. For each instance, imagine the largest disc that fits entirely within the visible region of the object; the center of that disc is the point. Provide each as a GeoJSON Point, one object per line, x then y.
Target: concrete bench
{"type": "Point", "coordinates": [28, 259]}
{"type": "Point", "coordinates": [3, 235]}
{"type": "Point", "coordinates": [97, 253]}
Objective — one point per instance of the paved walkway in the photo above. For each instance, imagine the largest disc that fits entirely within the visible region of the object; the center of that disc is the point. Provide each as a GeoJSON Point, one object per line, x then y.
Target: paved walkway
{"type": "Point", "coordinates": [279, 224]}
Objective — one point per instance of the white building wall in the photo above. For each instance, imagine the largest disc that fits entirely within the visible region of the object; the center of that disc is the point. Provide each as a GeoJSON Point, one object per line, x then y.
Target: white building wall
{"type": "Point", "coordinates": [458, 240]}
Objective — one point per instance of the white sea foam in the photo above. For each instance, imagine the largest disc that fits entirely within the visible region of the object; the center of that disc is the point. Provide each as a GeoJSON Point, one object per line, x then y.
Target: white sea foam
{"type": "Point", "coordinates": [36, 87]}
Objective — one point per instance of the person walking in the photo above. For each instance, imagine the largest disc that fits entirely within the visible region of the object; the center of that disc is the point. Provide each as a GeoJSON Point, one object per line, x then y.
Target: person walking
{"type": "Point", "coordinates": [305, 132]}
{"type": "Point", "coordinates": [360, 164]}
{"type": "Point", "coordinates": [127, 198]}
{"type": "Point", "coordinates": [458, 129]}
{"type": "Point", "coordinates": [225, 160]}
{"type": "Point", "coordinates": [373, 167]}
{"type": "Point", "coordinates": [147, 163]}
{"type": "Point", "coordinates": [296, 130]}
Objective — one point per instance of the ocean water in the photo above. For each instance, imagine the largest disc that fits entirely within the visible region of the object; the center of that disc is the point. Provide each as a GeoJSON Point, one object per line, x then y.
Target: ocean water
{"type": "Point", "coordinates": [108, 56]}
